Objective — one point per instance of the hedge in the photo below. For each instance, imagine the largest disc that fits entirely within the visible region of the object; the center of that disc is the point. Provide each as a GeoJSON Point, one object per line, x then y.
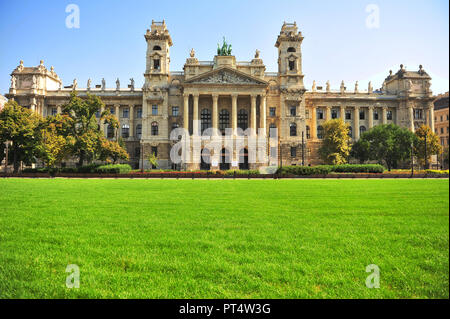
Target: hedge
{"type": "Point", "coordinates": [355, 168]}
{"type": "Point", "coordinates": [113, 169]}
{"type": "Point", "coordinates": [91, 168]}
{"type": "Point", "coordinates": [304, 170]}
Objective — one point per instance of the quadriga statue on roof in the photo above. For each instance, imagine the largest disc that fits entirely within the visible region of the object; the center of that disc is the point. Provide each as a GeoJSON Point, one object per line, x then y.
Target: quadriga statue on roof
{"type": "Point", "coordinates": [225, 49]}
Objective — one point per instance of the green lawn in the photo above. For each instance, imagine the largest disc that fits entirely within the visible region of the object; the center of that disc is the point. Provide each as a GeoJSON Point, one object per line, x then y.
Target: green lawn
{"type": "Point", "coordinates": [224, 238]}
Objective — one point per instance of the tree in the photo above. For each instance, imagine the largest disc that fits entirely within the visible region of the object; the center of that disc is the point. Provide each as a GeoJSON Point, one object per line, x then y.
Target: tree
{"type": "Point", "coordinates": [387, 143]}
{"type": "Point", "coordinates": [360, 150]}
{"type": "Point", "coordinates": [335, 147]}
{"type": "Point", "coordinates": [445, 157]}
{"type": "Point", "coordinates": [111, 150]}
{"type": "Point", "coordinates": [21, 126]}
{"type": "Point", "coordinates": [422, 150]}
{"type": "Point", "coordinates": [153, 160]}
{"type": "Point", "coordinates": [85, 131]}
{"type": "Point", "coordinates": [53, 147]}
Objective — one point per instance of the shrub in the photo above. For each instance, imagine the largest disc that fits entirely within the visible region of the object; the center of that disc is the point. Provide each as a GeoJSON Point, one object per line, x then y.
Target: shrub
{"type": "Point", "coordinates": [433, 172]}
{"type": "Point", "coordinates": [355, 168]}
{"type": "Point", "coordinates": [232, 172]}
{"type": "Point", "coordinates": [304, 170]}
{"type": "Point", "coordinates": [113, 169]}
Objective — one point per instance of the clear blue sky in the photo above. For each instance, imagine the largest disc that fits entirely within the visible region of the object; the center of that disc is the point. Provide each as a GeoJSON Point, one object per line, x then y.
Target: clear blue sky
{"type": "Point", "coordinates": [337, 45]}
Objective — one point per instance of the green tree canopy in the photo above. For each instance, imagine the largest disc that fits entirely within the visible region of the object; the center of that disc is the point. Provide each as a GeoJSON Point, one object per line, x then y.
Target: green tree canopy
{"type": "Point", "coordinates": [82, 127]}
{"type": "Point", "coordinates": [20, 126]}
{"type": "Point", "coordinates": [335, 147]}
{"type": "Point", "coordinates": [388, 144]}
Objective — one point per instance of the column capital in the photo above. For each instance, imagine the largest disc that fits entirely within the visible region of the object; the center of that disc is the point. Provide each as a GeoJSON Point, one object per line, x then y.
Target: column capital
{"type": "Point", "coordinates": [356, 107]}
{"type": "Point", "coordinates": [263, 95]}
{"type": "Point", "coordinates": [385, 107]}
{"type": "Point", "coordinates": [186, 94]}
{"type": "Point", "coordinates": [215, 95]}
{"type": "Point", "coordinates": [234, 95]}
{"type": "Point", "coordinates": [371, 107]}
{"type": "Point", "coordinates": [328, 107]}
{"type": "Point", "coordinates": [196, 95]}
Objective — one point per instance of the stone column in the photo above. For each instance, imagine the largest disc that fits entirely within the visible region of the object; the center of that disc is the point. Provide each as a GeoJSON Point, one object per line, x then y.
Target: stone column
{"type": "Point", "coordinates": [263, 113]}
{"type": "Point", "coordinates": [313, 123]}
{"type": "Point", "coordinates": [356, 123]}
{"type": "Point", "coordinates": [117, 106]}
{"type": "Point", "coordinates": [215, 112]}
{"type": "Point", "coordinates": [253, 114]}
{"type": "Point", "coordinates": [411, 118]}
{"type": "Point", "coordinates": [186, 112]}
{"type": "Point", "coordinates": [328, 116]}
{"type": "Point", "coordinates": [102, 124]}
{"type": "Point", "coordinates": [58, 109]}
{"type": "Point", "coordinates": [195, 128]}
{"type": "Point", "coordinates": [384, 115]}
{"type": "Point", "coordinates": [234, 112]}
{"type": "Point", "coordinates": [370, 117]}
{"type": "Point", "coordinates": [431, 111]}
{"type": "Point", "coordinates": [342, 113]}
{"type": "Point", "coordinates": [131, 120]}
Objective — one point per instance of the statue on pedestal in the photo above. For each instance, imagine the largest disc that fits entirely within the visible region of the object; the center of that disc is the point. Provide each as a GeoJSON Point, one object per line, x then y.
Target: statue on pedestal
{"type": "Point", "coordinates": [117, 84]}
{"type": "Point", "coordinates": [89, 84]}
{"type": "Point", "coordinates": [13, 82]}
{"type": "Point", "coordinates": [132, 84]}
{"type": "Point", "coordinates": [328, 86]}
{"type": "Point", "coordinates": [103, 84]}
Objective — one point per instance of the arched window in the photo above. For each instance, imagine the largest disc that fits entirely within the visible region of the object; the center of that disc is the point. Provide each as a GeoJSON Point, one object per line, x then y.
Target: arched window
{"type": "Point", "coordinates": [139, 131]}
{"type": "Point", "coordinates": [308, 132]}
{"type": "Point", "coordinates": [125, 131]}
{"type": "Point", "coordinates": [243, 159]}
{"type": "Point", "coordinates": [291, 64]}
{"type": "Point", "coordinates": [224, 121]}
{"type": "Point", "coordinates": [242, 119]}
{"type": "Point", "coordinates": [205, 119]}
{"type": "Point", "coordinates": [156, 48]}
{"type": "Point", "coordinates": [362, 129]}
{"type": "Point", "coordinates": [291, 49]}
{"type": "Point", "coordinates": [154, 128]}
{"type": "Point", "coordinates": [320, 132]}
{"type": "Point", "coordinates": [293, 129]}
{"type": "Point", "coordinates": [110, 131]}
{"type": "Point", "coordinates": [350, 132]}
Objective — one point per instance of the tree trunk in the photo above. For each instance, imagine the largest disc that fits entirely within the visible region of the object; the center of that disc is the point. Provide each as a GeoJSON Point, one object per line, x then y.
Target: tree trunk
{"type": "Point", "coordinates": [81, 161]}
{"type": "Point", "coordinates": [16, 161]}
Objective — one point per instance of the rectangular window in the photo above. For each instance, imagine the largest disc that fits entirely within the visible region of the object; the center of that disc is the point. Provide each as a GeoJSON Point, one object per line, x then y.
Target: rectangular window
{"type": "Point", "coordinates": [154, 109]}
{"type": "Point", "coordinates": [442, 130]}
{"type": "Point", "coordinates": [362, 115]}
{"type": "Point", "coordinates": [320, 114]}
{"type": "Point", "coordinates": [155, 150]}
{"type": "Point", "coordinates": [389, 115]}
{"type": "Point", "coordinates": [418, 114]}
{"type": "Point", "coordinates": [293, 151]}
{"type": "Point", "coordinates": [348, 115]}
{"type": "Point", "coordinates": [272, 111]}
{"type": "Point", "coordinates": [293, 110]}
{"type": "Point", "coordinates": [174, 110]}
{"type": "Point", "coordinates": [112, 110]}
{"type": "Point", "coordinates": [156, 64]}
{"type": "Point", "coordinates": [442, 118]}
{"type": "Point", "coordinates": [125, 112]}
{"type": "Point", "coordinates": [139, 112]}
{"type": "Point", "coordinates": [307, 114]}
{"type": "Point", "coordinates": [54, 111]}
{"type": "Point", "coordinates": [375, 115]}
{"type": "Point", "coordinates": [334, 114]}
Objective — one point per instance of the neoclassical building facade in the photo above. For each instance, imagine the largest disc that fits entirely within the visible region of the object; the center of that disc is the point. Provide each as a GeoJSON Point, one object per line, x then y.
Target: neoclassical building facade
{"type": "Point", "coordinates": [228, 94]}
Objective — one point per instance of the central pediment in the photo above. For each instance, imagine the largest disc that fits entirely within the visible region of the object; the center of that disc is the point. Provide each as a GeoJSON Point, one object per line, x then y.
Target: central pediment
{"type": "Point", "coordinates": [226, 76]}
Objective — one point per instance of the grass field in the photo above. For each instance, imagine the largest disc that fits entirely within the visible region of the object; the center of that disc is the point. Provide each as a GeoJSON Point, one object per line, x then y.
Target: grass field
{"type": "Point", "coordinates": [224, 238]}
